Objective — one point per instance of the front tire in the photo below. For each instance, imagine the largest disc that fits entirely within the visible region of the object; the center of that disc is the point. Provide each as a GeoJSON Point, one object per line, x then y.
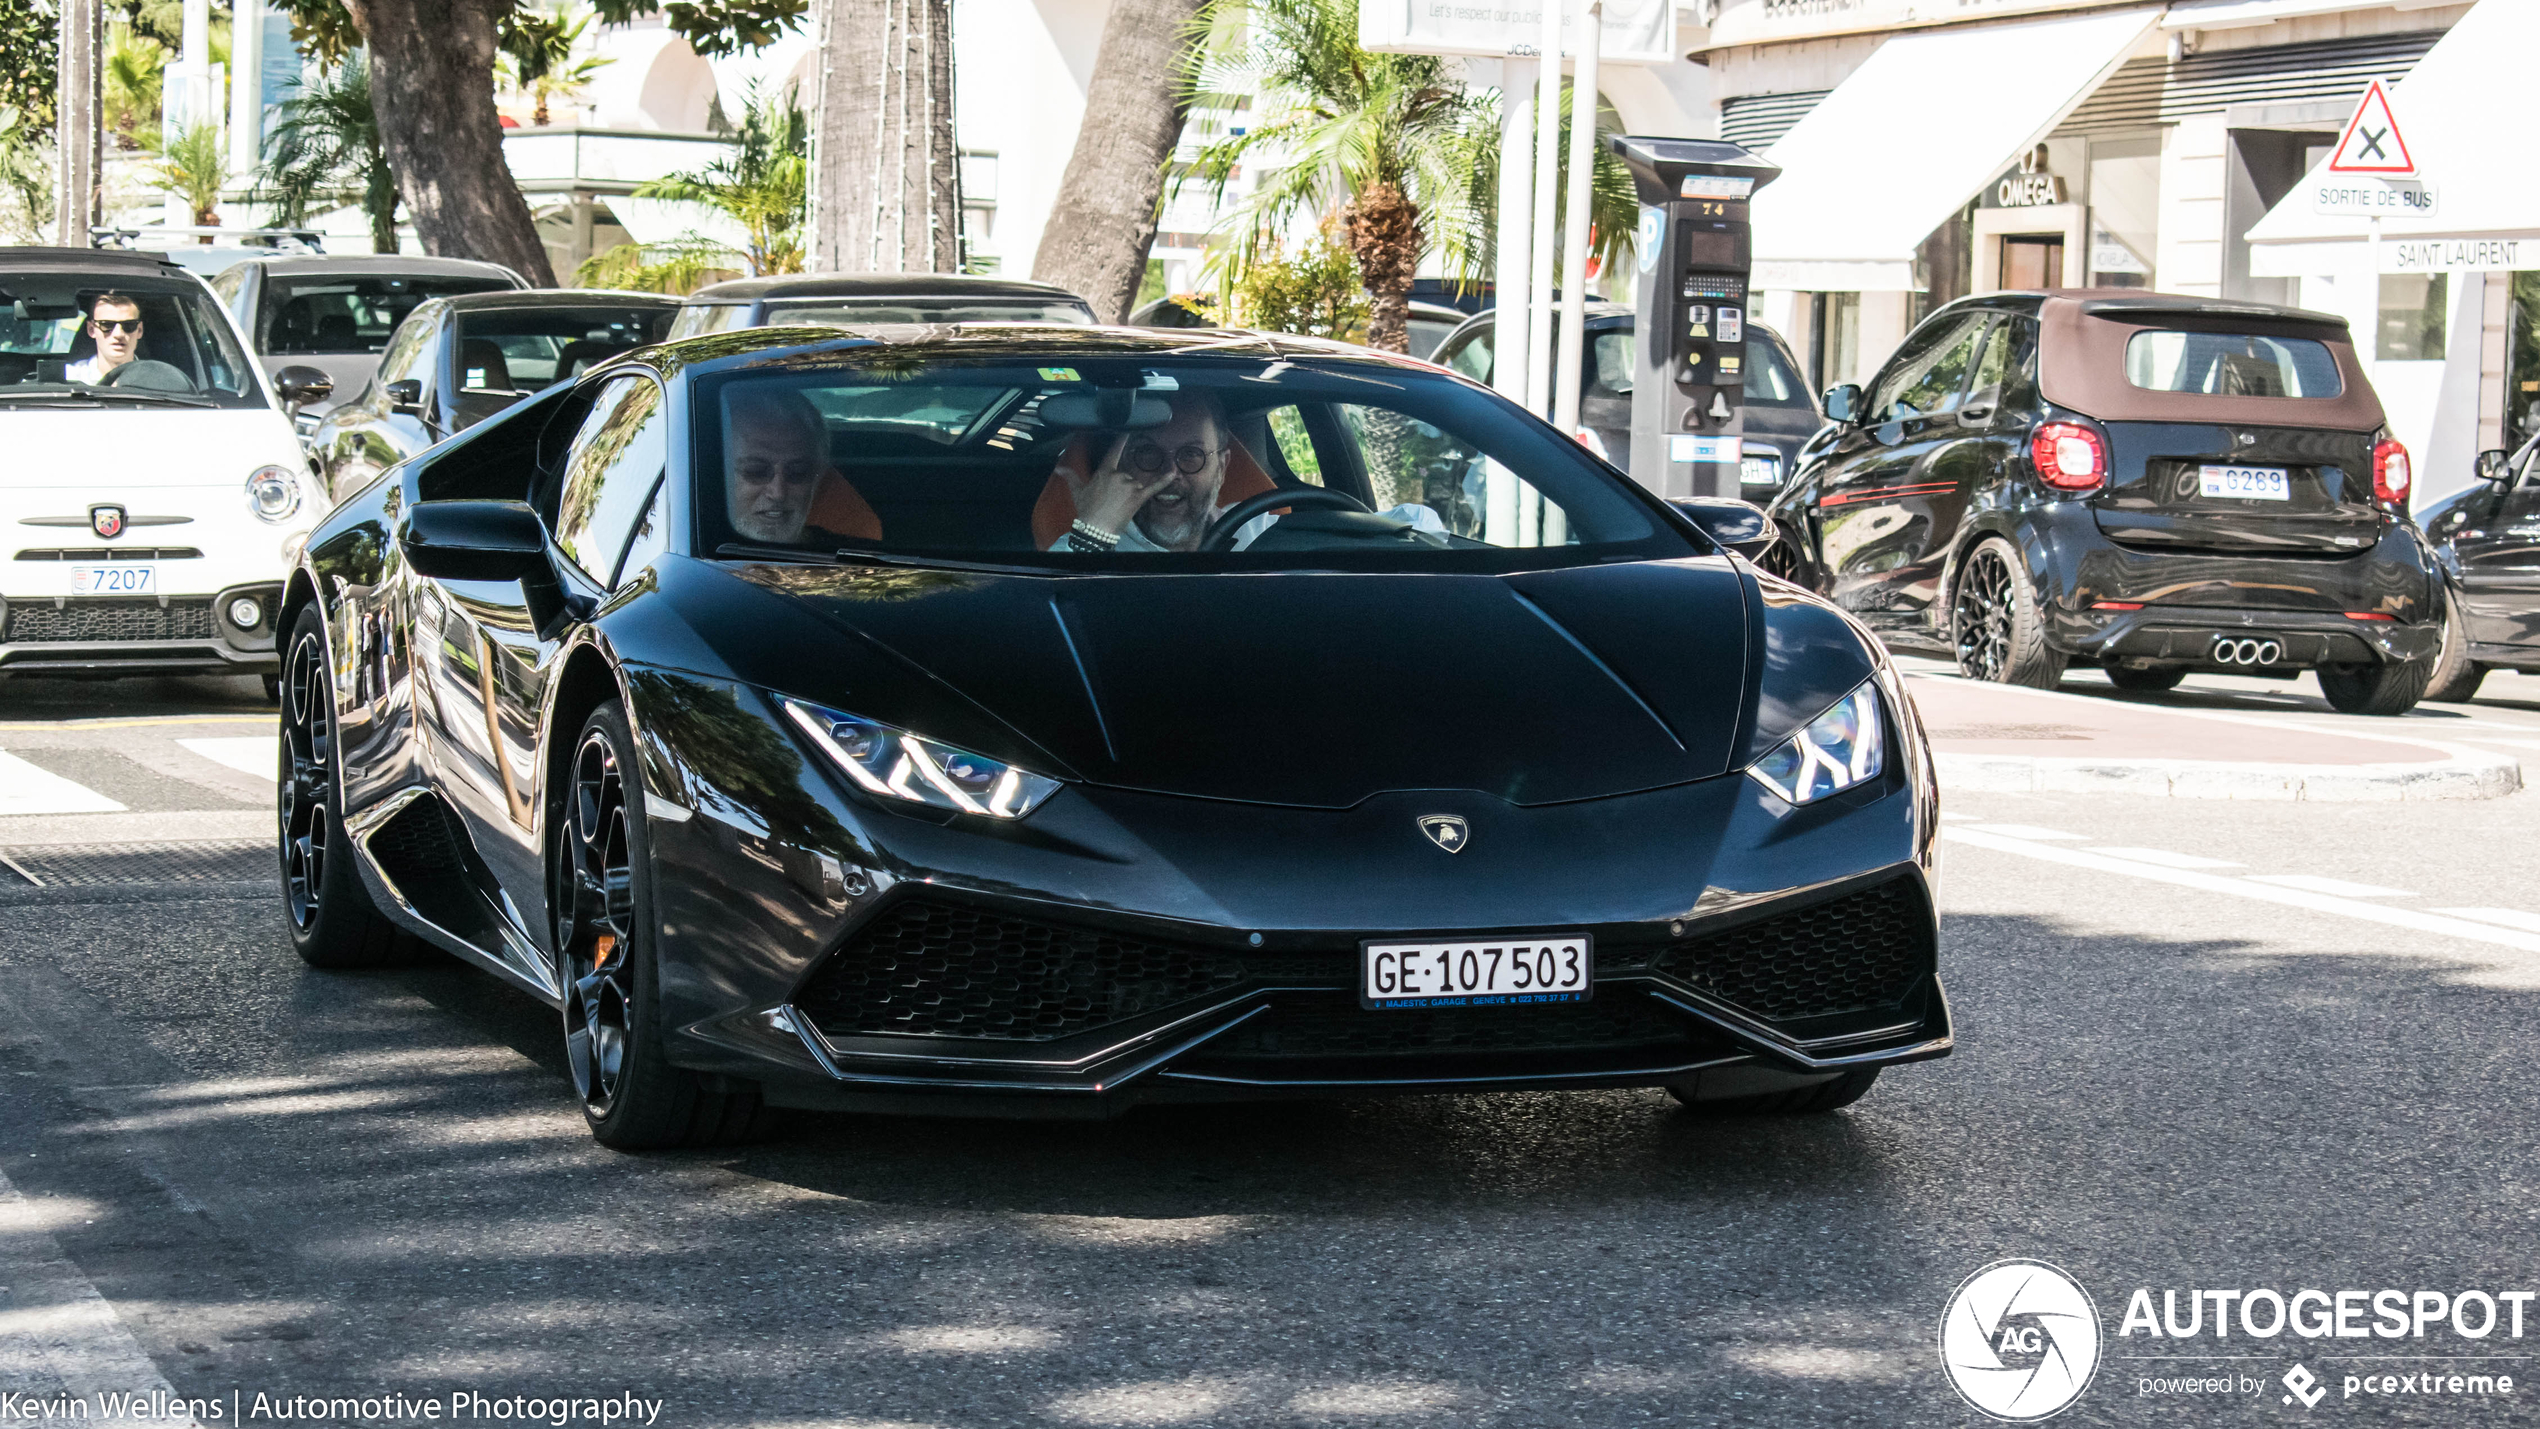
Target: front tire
{"type": "Point", "coordinates": [2392, 688]}
{"type": "Point", "coordinates": [332, 920]}
{"type": "Point", "coordinates": [1824, 1097]}
{"type": "Point", "coordinates": [1995, 625]}
{"type": "Point", "coordinates": [601, 895]}
{"type": "Point", "coordinates": [2456, 676]}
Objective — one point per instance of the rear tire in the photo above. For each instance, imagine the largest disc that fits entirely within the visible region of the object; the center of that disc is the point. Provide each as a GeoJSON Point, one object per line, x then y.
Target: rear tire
{"type": "Point", "coordinates": [2456, 677]}
{"type": "Point", "coordinates": [601, 897]}
{"type": "Point", "coordinates": [332, 921]}
{"type": "Point", "coordinates": [1995, 627]}
{"type": "Point", "coordinates": [2392, 688]}
{"type": "Point", "coordinates": [1843, 1091]}
{"type": "Point", "coordinates": [2152, 681]}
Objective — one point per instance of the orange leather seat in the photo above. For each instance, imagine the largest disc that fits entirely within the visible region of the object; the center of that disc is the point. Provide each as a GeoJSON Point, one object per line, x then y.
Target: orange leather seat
{"type": "Point", "coordinates": [841, 510]}
{"type": "Point", "coordinates": [1056, 510]}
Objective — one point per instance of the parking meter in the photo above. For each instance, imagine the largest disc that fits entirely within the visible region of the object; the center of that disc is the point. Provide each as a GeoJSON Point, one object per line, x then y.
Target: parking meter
{"type": "Point", "coordinates": [1694, 253]}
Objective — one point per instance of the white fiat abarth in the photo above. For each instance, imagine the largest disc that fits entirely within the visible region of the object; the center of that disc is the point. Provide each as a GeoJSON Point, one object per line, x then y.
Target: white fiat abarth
{"type": "Point", "coordinates": [152, 491]}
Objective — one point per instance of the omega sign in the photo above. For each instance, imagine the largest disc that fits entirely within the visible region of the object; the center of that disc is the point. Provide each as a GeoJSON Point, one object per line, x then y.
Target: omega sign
{"type": "Point", "coordinates": [2027, 186]}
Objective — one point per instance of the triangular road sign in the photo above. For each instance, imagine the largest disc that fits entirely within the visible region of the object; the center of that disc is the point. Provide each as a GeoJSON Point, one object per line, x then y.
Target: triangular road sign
{"type": "Point", "coordinates": [2371, 143]}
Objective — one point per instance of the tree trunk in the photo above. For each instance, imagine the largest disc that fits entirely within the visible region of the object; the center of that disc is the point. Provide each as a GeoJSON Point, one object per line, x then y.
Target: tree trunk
{"type": "Point", "coordinates": [432, 83]}
{"type": "Point", "coordinates": [886, 175]}
{"type": "Point", "coordinates": [1383, 231]}
{"type": "Point", "coordinates": [1096, 241]}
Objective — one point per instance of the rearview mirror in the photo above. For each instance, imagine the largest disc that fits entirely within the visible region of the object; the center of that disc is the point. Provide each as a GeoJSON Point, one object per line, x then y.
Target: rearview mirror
{"type": "Point", "coordinates": [1114, 408]}
{"type": "Point", "coordinates": [2493, 465]}
{"type": "Point", "coordinates": [475, 541]}
{"type": "Point", "coordinates": [1740, 526]}
{"type": "Point", "coordinates": [298, 386]}
{"type": "Point", "coordinates": [405, 395]}
{"type": "Point", "coordinates": [1843, 404]}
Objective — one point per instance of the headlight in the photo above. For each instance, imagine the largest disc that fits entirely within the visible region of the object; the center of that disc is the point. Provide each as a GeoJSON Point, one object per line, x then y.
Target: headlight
{"type": "Point", "coordinates": [273, 493]}
{"type": "Point", "coordinates": [895, 764]}
{"type": "Point", "coordinates": [1839, 749]}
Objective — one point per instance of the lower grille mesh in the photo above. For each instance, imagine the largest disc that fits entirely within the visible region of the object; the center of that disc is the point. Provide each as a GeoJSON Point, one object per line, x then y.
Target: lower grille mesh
{"type": "Point", "coordinates": [112, 620]}
{"type": "Point", "coordinates": [1339, 1027]}
{"type": "Point", "coordinates": [1850, 954]}
{"type": "Point", "coordinates": [936, 969]}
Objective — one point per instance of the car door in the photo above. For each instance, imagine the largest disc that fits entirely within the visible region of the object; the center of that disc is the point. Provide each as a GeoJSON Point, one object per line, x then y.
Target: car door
{"type": "Point", "coordinates": [492, 663]}
{"type": "Point", "coordinates": [368, 434]}
{"type": "Point", "coordinates": [1891, 490]}
{"type": "Point", "coordinates": [2496, 539]}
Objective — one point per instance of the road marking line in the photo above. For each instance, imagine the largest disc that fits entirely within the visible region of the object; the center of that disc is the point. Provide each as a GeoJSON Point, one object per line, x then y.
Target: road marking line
{"type": "Point", "coordinates": [257, 754]}
{"type": "Point", "coordinates": [2333, 887]}
{"type": "Point", "coordinates": [2165, 858]}
{"type": "Point", "coordinates": [2505, 917]}
{"type": "Point", "coordinates": [2027, 831]}
{"type": "Point", "coordinates": [58, 1336]}
{"type": "Point", "coordinates": [26, 789]}
{"type": "Point", "coordinates": [2263, 892]}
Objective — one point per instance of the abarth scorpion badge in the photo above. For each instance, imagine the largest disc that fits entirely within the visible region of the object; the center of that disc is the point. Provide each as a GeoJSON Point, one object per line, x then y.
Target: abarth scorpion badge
{"type": "Point", "coordinates": [1445, 830]}
{"type": "Point", "coordinates": [106, 521]}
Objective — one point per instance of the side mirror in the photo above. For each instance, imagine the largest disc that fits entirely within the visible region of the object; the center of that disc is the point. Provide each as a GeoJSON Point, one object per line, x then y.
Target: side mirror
{"type": "Point", "coordinates": [405, 396]}
{"type": "Point", "coordinates": [475, 541]}
{"type": "Point", "coordinates": [2494, 465]}
{"type": "Point", "coordinates": [1843, 404]}
{"type": "Point", "coordinates": [299, 386]}
{"type": "Point", "coordinates": [1740, 526]}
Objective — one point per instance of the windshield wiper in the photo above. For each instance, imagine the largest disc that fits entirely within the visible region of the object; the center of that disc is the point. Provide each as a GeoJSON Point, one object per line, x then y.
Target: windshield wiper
{"type": "Point", "coordinates": [103, 395]}
{"type": "Point", "coordinates": [747, 551]}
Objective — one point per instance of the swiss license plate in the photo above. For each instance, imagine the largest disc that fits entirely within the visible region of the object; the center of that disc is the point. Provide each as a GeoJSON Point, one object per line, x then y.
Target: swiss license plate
{"type": "Point", "coordinates": [2246, 483]}
{"type": "Point", "coordinates": [114, 580]}
{"type": "Point", "coordinates": [1510, 971]}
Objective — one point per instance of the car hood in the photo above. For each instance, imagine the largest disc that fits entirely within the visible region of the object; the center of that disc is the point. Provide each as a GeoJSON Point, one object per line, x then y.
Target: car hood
{"type": "Point", "coordinates": [1317, 689]}
{"type": "Point", "coordinates": [99, 451]}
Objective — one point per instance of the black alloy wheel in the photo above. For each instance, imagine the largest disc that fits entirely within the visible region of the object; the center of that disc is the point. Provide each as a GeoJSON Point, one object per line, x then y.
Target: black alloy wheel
{"type": "Point", "coordinates": [333, 922]}
{"type": "Point", "coordinates": [601, 901]}
{"type": "Point", "coordinates": [1994, 623]}
{"type": "Point", "coordinates": [2456, 677]}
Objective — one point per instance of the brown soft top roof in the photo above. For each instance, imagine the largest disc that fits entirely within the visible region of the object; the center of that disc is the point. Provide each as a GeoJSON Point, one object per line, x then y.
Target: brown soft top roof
{"type": "Point", "coordinates": [2081, 360]}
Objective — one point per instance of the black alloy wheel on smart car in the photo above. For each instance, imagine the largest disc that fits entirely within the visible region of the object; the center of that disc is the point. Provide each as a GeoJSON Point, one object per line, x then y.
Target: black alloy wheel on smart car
{"type": "Point", "coordinates": [633, 1098]}
{"type": "Point", "coordinates": [1995, 625]}
{"type": "Point", "coordinates": [334, 924]}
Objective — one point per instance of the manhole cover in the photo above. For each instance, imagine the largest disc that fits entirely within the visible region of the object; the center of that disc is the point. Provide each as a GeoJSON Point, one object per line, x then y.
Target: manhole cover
{"type": "Point", "coordinates": [101, 865]}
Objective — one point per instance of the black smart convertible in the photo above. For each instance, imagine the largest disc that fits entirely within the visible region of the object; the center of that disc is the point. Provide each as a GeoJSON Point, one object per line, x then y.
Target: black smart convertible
{"type": "Point", "coordinates": [1052, 720]}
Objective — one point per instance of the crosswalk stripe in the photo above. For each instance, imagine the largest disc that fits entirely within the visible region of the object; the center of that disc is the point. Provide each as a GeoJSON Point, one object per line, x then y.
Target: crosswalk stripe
{"type": "Point", "coordinates": [26, 789]}
{"type": "Point", "coordinates": [257, 754]}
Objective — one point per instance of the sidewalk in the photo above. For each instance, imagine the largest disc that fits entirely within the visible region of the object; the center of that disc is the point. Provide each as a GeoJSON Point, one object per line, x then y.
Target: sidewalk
{"type": "Point", "coordinates": [2007, 739]}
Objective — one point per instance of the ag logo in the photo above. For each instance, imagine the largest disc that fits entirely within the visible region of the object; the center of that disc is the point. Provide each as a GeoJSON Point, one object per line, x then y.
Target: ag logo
{"type": "Point", "coordinates": [2020, 1340]}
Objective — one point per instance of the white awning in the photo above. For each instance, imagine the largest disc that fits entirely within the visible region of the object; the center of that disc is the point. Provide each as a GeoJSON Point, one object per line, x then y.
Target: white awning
{"type": "Point", "coordinates": [1910, 136]}
{"type": "Point", "coordinates": [663, 220]}
{"type": "Point", "coordinates": [2469, 124]}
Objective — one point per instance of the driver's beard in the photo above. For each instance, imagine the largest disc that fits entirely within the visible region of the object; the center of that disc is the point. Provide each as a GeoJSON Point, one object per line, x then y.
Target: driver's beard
{"type": "Point", "coordinates": [1198, 506]}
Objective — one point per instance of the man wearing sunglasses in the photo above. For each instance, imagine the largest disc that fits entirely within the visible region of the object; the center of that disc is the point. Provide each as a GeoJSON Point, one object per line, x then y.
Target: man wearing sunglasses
{"type": "Point", "coordinates": [1155, 490]}
{"type": "Point", "coordinates": [114, 323]}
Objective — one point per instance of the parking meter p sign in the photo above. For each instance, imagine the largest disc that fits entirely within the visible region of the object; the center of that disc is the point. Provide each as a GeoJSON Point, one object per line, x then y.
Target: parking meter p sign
{"type": "Point", "coordinates": [2372, 143]}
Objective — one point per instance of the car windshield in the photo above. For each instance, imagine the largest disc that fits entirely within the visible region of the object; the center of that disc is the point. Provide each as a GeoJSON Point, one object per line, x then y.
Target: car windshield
{"type": "Point", "coordinates": [1150, 463]}
{"type": "Point", "coordinates": [523, 349]}
{"type": "Point", "coordinates": [869, 312]}
{"type": "Point", "coordinates": [342, 315]}
{"type": "Point", "coordinates": [73, 340]}
{"type": "Point", "coordinates": [2230, 364]}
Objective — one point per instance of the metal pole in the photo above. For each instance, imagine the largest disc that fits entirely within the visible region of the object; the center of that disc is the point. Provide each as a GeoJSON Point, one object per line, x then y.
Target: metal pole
{"type": "Point", "coordinates": [1547, 172]}
{"type": "Point", "coordinates": [246, 86]}
{"type": "Point", "coordinates": [1574, 219]}
{"type": "Point", "coordinates": [77, 111]}
{"type": "Point", "coordinates": [1511, 253]}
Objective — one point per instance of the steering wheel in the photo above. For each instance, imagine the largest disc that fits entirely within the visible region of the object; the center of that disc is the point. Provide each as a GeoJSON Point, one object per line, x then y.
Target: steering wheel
{"type": "Point", "coordinates": [148, 375]}
{"type": "Point", "coordinates": [1221, 537]}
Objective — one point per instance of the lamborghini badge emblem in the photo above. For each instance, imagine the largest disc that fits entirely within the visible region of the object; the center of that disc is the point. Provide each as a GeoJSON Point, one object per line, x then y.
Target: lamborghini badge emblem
{"type": "Point", "coordinates": [1446, 831]}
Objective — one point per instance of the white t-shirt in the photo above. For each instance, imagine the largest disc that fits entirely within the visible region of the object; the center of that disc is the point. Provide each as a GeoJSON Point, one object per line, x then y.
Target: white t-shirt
{"type": "Point", "coordinates": [91, 370]}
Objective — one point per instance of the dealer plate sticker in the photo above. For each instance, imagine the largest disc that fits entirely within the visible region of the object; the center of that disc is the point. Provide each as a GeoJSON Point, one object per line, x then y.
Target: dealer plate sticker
{"type": "Point", "coordinates": [2246, 483]}
{"type": "Point", "coordinates": [114, 580]}
{"type": "Point", "coordinates": [1511, 971]}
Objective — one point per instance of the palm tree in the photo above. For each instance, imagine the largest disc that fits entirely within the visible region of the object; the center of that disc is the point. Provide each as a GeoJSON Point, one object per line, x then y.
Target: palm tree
{"type": "Point", "coordinates": [1382, 141]}
{"type": "Point", "coordinates": [325, 147]}
{"type": "Point", "coordinates": [134, 66]}
{"type": "Point", "coordinates": [537, 57]}
{"type": "Point", "coordinates": [762, 184]}
{"type": "Point", "coordinates": [194, 166]}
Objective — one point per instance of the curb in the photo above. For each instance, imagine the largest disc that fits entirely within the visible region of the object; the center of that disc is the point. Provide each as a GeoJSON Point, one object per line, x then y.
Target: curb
{"type": "Point", "coordinates": [2468, 774]}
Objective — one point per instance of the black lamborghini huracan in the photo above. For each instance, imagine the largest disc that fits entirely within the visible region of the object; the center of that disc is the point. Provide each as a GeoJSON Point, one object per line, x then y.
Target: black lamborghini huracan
{"type": "Point", "coordinates": [1051, 720]}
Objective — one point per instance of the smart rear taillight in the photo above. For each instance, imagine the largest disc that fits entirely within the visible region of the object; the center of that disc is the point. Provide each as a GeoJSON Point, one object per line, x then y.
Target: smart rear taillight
{"type": "Point", "coordinates": [2391, 473]}
{"type": "Point", "coordinates": [2069, 456]}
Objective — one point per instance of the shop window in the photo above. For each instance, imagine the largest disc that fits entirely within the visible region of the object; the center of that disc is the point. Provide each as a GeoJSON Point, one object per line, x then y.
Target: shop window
{"type": "Point", "coordinates": [2413, 309]}
{"type": "Point", "coordinates": [1834, 340]}
{"type": "Point", "coordinates": [2125, 211]}
{"type": "Point", "coordinates": [2522, 360]}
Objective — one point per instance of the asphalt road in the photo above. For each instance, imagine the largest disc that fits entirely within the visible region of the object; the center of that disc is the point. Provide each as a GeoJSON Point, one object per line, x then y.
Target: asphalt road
{"type": "Point", "coordinates": [2201, 1045]}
